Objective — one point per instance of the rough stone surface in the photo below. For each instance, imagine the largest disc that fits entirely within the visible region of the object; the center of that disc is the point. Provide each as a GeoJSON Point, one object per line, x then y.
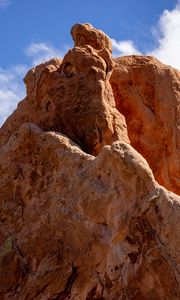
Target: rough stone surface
{"type": "Point", "coordinates": [85, 34]}
{"type": "Point", "coordinates": [91, 228]}
{"type": "Point", "coordinates": [78, 220]}
{"type": "Point", "coordinates": [147, 93]}
{"type": "Point", "coordinates": [75, 98]}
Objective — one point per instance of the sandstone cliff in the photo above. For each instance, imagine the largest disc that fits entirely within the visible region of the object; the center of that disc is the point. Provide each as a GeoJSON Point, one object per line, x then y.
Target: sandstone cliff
{"type": "Point", "coordinates": [89, 162]}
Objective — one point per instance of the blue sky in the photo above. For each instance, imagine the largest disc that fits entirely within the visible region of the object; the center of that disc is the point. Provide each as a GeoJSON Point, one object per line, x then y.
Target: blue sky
{"type": "Point", "coordinates": [36, 30]}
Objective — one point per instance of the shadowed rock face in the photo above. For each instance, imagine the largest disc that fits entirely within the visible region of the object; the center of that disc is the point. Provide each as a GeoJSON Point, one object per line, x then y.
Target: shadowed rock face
{"type": "Point", "coordinates": [87, 111]}
{"type": "Point", "coordinates": [75, 226]}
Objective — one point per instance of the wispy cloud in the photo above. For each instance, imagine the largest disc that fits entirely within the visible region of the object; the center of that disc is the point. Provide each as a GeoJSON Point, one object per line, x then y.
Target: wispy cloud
{"type": "Point", "coordinates": [4, 3]}
{"type": "Point", "coordinates": [167, 36]}
{"type": "Point", "coordinates": [12, 89]}
{"type": "Point", "coordinates": [126, 47]}
{"type": "Point", "coordinates": [39, 52]}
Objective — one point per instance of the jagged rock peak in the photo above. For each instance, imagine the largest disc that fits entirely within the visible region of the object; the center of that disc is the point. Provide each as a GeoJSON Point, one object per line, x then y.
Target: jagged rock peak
{"type": "Point", "coordinates": [74, 96]}
{"type": "Point", "coordinates": [96, 100]}
{"type": "Point", "coordinates": [86, 34]}
{"type": "Point", "coordinates": [82, 214]}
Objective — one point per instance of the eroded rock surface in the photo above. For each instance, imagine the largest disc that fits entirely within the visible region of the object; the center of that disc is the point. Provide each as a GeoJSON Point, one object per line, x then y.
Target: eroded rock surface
{"type": "Point", "coordinates": [90, 228]}
{"type": "Point", "coordinates": [85, 34]}
{"type": "Point", "coordinates": [80, 220]}
{"type": "Point", "coordinates": [73, 97]}
{"type": "Point", "coordinates": [147, 93]}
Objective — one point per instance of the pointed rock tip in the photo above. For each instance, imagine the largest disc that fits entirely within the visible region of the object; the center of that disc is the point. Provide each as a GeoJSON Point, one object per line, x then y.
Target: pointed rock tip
{"type": "Point", "coordinates": [86, 34]}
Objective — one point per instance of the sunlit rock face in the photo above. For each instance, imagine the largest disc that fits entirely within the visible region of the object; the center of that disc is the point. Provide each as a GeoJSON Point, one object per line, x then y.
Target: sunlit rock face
{"type": "Point", "coordinates": [147, 93]}
{"type": "Point", "coordinates": [82, 213]}
{"type": "Point", "coordinates": [73, 96]}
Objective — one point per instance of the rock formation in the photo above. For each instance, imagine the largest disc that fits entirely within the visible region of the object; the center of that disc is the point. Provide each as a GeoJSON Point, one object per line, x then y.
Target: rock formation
{"type": "Point", "coordinates": [73, 97]}
{"type": "Point", "coordinates": [81, 210]}
{"type": "Point", "coordinates": [147, 93]}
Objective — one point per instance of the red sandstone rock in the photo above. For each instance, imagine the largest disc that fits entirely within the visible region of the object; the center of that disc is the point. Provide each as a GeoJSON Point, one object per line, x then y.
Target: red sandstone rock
{"type": "Point", "coordinates": [147, 93]}
{"type": "Point", "coordinates": [85, 34]}
{"type": "Point", "coordinates": [75, 226]}
{"type": "Point", "coordinates": [75, 98]}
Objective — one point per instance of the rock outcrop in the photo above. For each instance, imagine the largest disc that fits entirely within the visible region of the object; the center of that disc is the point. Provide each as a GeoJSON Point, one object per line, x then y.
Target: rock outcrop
{"type": "Point", "coordinates": [81, 210]}
{"type": "Point", "coordinates": [147, 93]}
{"type": "Point", "coordinates": [73, 97]}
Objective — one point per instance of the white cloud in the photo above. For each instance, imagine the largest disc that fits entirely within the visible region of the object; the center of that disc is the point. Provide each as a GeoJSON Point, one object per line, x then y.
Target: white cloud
{"type": "Point", "coordinates": [167, 35]}
{"type": "Point", "coordinates": [4, 3]}
{"type": "Point", "coordinates": [124, 47]}
{"type": "Point", "coordinates": [12, 89]}
{"type": "Point", "coordinates": [168, 32]}
{"type": "Point", "coordinates": [39, 52]}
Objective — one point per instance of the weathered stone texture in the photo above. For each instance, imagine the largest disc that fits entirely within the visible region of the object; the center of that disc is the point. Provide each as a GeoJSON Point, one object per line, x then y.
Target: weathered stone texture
{"type": "Point", "coordinates": [82, 214]}
{"type": "Point", "coordinates": [147, 93]}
